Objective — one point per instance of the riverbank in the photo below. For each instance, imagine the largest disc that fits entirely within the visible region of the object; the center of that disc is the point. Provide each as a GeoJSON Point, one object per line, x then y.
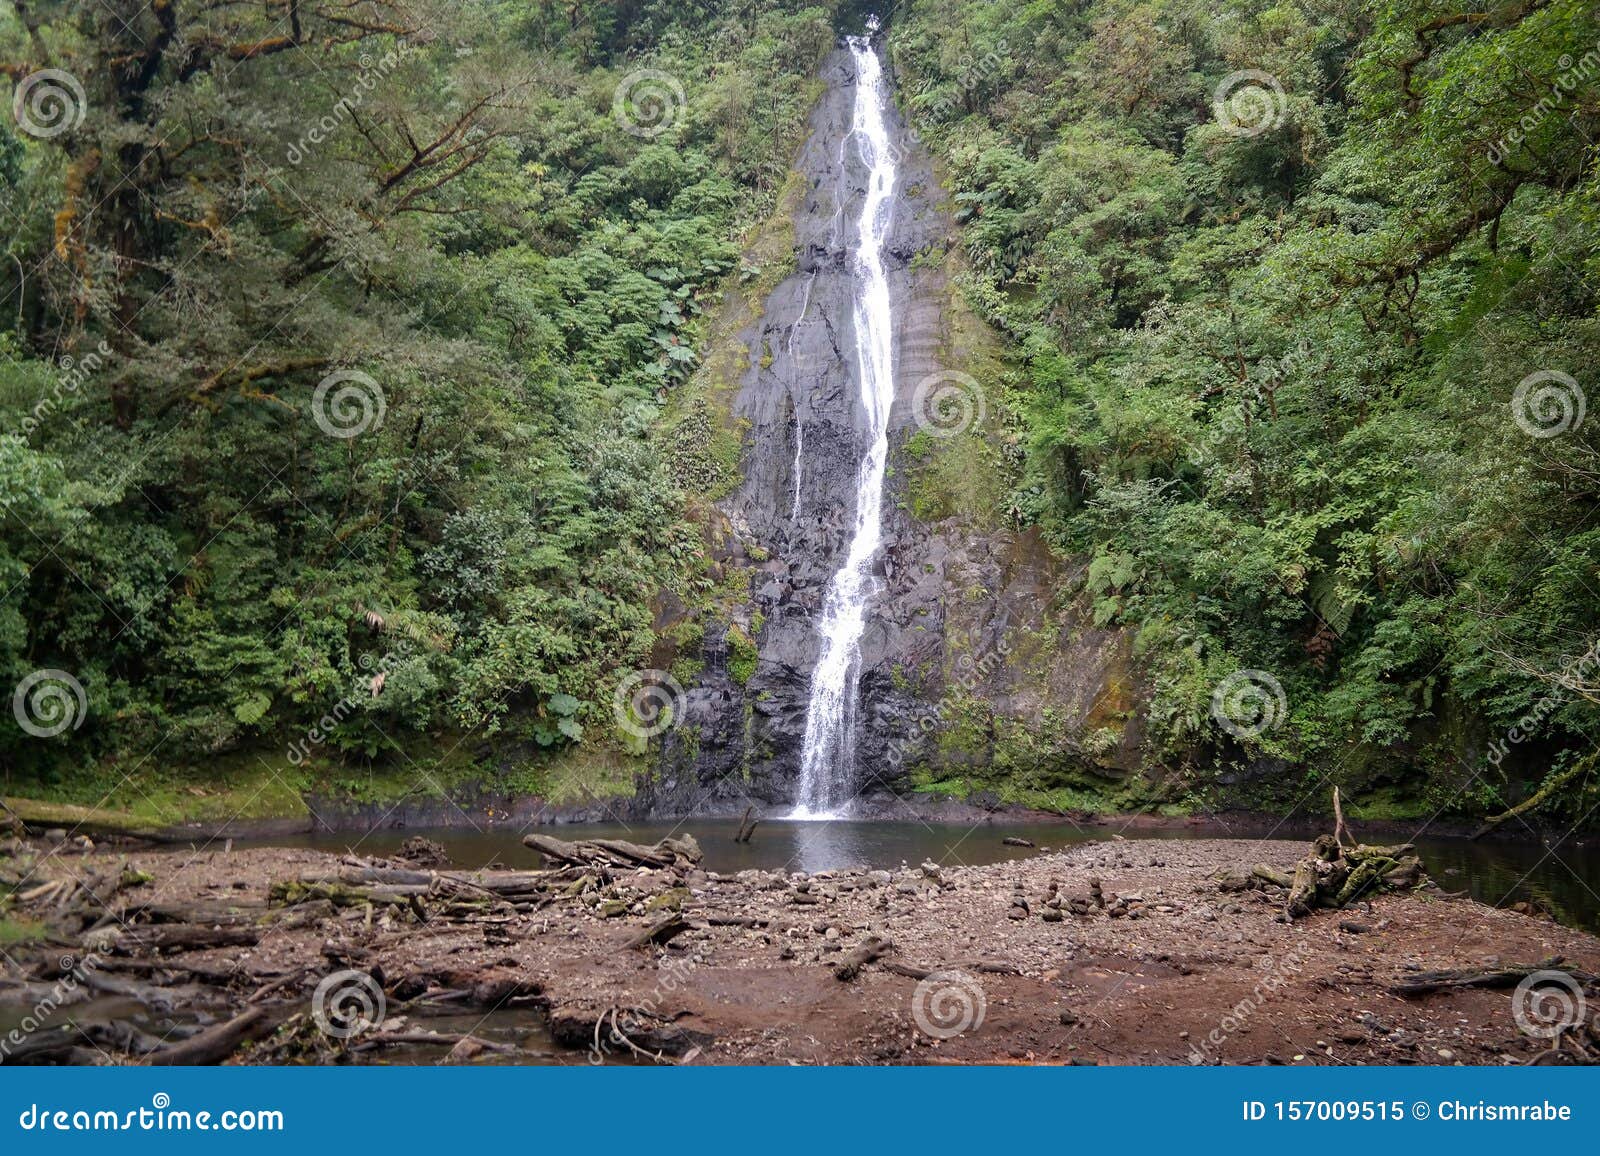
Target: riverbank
{"type": "Point", "coordinates": [1181, 964]}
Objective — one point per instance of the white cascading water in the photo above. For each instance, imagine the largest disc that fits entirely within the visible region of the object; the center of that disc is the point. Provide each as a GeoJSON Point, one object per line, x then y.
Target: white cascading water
{"type": "Point", "coordinates": [828, 755]}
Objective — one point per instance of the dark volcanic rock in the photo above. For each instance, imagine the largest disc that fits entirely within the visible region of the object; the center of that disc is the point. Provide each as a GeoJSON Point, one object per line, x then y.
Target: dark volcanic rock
{"type": "Point", "coordinates": [962, 609]}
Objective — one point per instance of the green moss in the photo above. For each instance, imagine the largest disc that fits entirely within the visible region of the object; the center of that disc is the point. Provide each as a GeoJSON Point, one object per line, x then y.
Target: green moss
{"type": "Point", "coordinates": [960, 476]}
{"type": "Point", "coordinates": [743, 654]}
{"type": "Point", "coordinates": [926, 782]}
{"type": "Point", "coordinates": [705, 451]}
{"type": "Point", "coordinates": [687, 639]}
{"type": "Point", "coordinates": [431, 767]}
{"type": "Point", "coordinates": [578, 774]}
{"type": "Point", "coordinates": [15, 931]}
{"type": "Point", "coordinates": [965, 725]}
{"type": "Point", "coordinates": [1390, 802]}
{"type": "Point", "coordinates": [152, 794]}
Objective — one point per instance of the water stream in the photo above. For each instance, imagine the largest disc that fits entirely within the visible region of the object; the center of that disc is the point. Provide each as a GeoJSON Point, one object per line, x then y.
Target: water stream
{"type": "Point", "coordinates": [828, 754]}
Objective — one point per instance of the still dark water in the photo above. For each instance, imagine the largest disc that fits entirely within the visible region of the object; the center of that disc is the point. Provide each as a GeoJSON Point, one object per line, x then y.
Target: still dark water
{"type": "Point", "coordinates": [1563, 879]}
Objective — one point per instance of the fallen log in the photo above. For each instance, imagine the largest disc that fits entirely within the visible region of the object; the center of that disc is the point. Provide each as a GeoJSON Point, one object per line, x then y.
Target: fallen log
{"type": "Point", "coordinates": [660, 934]}
{"type": "Point", "coordinates": [683, 851]}
{"type": "Point", "coordinates": [1581, 767]}
{"type": "Point", "coordinates": [222, 974]}
{"type": "Point", "coordinates": [1303, 888]}
{"type": "Point", "coordinates": [1362, 852]}
{"type": "Point", "coordinates": [211, 914]}
{"type": "Point", "coordinates": [1363, 878]}
{"type": "Point", "coordinates": [1427, 982]}
{"type": "Point", "coordinates": [20, 993]}
{"type": "Point", "coordinates": [851, 964]}
{"type": "Point", "coordinates": [1271, 875]}
{"type": "Point", "coordinates": [352, 886]}
{"type": "Point", "coordinates": [178, 937]}
{"type": "Point", "coordinates": [293, 893]}
{"type": "Point", "coordinates": [278, 984]}
{"type": "Point", "coordinates": [153, 996]}
{"type": "Point", "coordinates": [451, 1040]}
{"type": "Point", "coordinates": [215, 1044]}
{"type": "Point", "coordinates": [366, 876]}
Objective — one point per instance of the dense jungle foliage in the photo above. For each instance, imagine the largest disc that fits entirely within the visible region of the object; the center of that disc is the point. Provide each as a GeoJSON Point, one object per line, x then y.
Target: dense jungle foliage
{"type": "Point", "coordinates": [441, 198]}
{"type": "Point", "coordinates": [1301, 301]}
{"type": "Point", "coordinates": [1270, 334]}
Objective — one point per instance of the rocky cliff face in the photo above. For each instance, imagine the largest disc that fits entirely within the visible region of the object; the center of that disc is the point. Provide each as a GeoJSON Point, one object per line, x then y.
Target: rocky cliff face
{"type": "Point", "coordinates": [976, 656]}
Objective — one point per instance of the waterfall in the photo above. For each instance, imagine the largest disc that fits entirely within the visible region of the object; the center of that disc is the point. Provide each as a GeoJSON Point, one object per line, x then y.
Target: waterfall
{"type": "Point", "coordinates": [827, 761]}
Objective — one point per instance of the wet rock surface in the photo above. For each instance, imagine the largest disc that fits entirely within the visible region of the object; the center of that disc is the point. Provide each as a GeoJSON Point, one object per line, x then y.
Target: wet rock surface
{"type": "Point", "coordinates": [963, 610]}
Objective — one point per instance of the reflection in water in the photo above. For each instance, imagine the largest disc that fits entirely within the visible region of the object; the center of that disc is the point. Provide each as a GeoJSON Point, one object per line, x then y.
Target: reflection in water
{"type": "Point", "coordinates": [1564, 880]}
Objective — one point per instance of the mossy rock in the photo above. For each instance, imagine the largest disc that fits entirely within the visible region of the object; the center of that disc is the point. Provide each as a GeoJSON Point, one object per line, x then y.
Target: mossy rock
{"type": "Point", "coordinates": [672, 899]}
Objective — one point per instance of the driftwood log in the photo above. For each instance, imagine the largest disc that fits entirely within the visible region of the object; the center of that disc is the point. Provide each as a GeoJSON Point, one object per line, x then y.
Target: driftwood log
{"type": "Point", "coordinates": [661, 933]}
{"type": "Point", "coordinates": [1427, 982]}
{"type": "Point", "coordinates": [176, 937]}
{"type": "Point", "coordinates": [850, 966]}
{"type": "Point", "coordinates": [216, 1044]}
{"type": "Point", "coordinates": [680, 852]}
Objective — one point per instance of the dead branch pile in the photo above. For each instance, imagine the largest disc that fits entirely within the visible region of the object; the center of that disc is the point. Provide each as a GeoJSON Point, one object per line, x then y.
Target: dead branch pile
{"type": "Point", "coordinates": [1334, 876]}
{"type": "Point", "coordinates": [110, 934]}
